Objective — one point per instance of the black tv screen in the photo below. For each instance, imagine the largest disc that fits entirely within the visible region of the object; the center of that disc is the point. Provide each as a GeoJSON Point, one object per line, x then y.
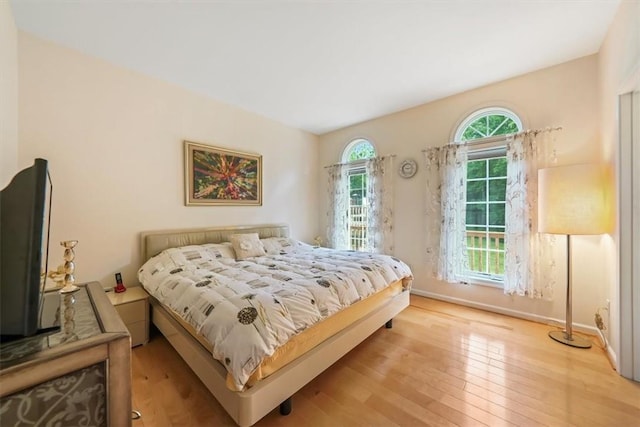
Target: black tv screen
{"type": "Point", "coordinates": [25, 206]}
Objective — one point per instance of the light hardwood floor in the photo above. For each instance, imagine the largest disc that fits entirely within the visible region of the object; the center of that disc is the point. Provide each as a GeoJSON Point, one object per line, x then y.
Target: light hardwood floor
{"type": "Point", "coordinates": [440, 365]}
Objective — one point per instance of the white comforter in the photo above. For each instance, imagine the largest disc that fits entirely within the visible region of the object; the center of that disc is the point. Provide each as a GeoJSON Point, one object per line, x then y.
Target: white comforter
{"type": "Point", "coordinates": [247, 309]}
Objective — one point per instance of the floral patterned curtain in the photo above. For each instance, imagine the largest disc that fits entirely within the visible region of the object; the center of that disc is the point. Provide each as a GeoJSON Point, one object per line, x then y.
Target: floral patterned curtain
{"type": "Point", "coordinates": [446, 169]}
{"type": "Point", "coordinates": [529, 262]}
{"type": "Point", "coordinates": [529, 255]}
{"type": "Point", "coordinates": [338, 213]}
{"type": "Point", "coordinates": [379, 172]}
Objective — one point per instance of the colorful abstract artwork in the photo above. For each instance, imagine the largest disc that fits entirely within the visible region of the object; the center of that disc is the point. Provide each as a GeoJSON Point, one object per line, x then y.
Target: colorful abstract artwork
{"type": "Point", "coordinates": [217, 176]}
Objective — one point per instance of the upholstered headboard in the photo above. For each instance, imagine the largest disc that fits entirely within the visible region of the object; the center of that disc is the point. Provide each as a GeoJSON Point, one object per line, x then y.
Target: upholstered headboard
{"type": "Point", "coordinates": [154, 242]}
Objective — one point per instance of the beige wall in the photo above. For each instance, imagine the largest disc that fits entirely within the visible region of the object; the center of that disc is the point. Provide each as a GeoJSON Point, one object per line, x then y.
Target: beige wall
{"type": "Point", "coordinates": [565, 95]}
{"type": "Point", "coordinates": [619, 67]}
{"type": "Point", "coordinates": [8, 94]}
{"type": "Point", "coordinates": [114, 141]}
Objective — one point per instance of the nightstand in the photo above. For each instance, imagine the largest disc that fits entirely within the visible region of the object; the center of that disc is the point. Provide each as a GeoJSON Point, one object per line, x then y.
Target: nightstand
{"type": "Point", "coordinates": [133, 307]}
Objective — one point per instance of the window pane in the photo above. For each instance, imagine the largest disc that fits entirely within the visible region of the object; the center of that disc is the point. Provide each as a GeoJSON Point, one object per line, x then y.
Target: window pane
{"type": "Point", "coordinates": [476, 169]}
{"type": "Point", "coordinates": [476, 214]}
{"type": "Point", "coordinates": [476, 191]}
{"type": "Point", "coordinates": [480, 126]}
{"type": "Point", "coordinates": [362, 150]}
{"type": "Point", "coordinates": [358, 211]}
{"type": "Point", "coordinates": [356, 182]}
{"type": "Point", "coordinates": [496, 213]}
{"type": "Point", "coordinates": [356, 198]}
{"type": "Point", "coordinates": [487, 123]}
{"type": "Point", "coordinates": [501, 125]}
{"type": "Point", "coordinates": [498, 167]}
{"type": "Point", "coordinates": [471, 133]}
{"type": "Point", "coordinates": [497, 188]}
{"type": "Point", "coordinates": [497, 124]}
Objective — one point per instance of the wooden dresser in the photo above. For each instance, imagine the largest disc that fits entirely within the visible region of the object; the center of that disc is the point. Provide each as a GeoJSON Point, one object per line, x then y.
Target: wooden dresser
{"type": "Point", "coordinates": [80, 375]}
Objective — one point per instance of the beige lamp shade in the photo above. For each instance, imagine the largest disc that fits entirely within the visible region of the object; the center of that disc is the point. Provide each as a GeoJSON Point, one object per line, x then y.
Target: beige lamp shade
{"type": "Point", "coordinates": [574, 200]}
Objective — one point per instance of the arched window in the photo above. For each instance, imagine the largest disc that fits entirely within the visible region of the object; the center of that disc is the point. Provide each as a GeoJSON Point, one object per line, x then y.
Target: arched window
{"type": "Point", "coordinates": [486, 190]}
{"type": "Point", "coordinates": [358, 149]}
{"type": "Point", "coordinates": [355, 152]}
{"type": "Point", "coordinates": [488, 122]}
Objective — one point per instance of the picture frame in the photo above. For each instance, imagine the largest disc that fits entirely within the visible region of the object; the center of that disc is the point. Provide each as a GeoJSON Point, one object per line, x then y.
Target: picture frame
{"type": "Point", "coordinates": [217, 176]}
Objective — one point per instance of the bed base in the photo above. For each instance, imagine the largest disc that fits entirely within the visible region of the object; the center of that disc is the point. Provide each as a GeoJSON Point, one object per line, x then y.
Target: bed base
{"type": "Point", "coordinates": [249, 406]}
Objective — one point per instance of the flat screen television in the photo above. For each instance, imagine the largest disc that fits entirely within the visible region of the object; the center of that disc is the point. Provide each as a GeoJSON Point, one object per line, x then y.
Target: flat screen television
{"type": "Point", "coordinates": [25, 208]}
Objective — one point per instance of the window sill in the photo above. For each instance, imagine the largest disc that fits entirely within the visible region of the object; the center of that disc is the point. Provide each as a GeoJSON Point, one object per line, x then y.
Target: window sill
{"type": "Point", "coordinates": [475, 280]}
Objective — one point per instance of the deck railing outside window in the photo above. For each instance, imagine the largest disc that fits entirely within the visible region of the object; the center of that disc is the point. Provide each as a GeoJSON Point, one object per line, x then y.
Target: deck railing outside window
{"type": "Point", "coordinates": [358, 227]}
{"type": "Point", "coordinates": [486, 252]}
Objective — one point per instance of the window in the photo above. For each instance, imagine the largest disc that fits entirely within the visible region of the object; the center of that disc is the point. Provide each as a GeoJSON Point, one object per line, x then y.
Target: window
{"type": "Point", "coordinates": [354, 153]}
{"type": "Point", "coordinates": [486, 188]}
{"type": "Point", "coordinates": [358, 149]}
{"type": "Point", "coordinates": [486, 123]}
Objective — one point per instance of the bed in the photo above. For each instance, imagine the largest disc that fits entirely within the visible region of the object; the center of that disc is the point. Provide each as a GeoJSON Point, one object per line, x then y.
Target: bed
{"type": "Point", "coordinates": [247, 402]}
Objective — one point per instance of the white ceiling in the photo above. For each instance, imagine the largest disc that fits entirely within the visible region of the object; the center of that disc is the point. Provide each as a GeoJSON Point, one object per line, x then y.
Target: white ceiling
{"type": "Point", "coordinates": [324, 64]}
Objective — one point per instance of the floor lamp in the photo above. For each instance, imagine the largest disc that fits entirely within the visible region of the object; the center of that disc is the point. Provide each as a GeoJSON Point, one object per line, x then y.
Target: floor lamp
{"type": "Point", "coordinates": [572, 200]}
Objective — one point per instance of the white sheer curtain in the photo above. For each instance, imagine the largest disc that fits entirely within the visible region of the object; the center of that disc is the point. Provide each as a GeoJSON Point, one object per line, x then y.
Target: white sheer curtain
{"type": "Point", "coordinates": [529, 255]}
{"type": "Point", "coordinates": [380, 175]}
{"type": "Point", "coordinates": [446, 169]}
{"type": "Point", "coordinates": [529, 262]}
{"type": "Point", "coordinates": [338, 212]}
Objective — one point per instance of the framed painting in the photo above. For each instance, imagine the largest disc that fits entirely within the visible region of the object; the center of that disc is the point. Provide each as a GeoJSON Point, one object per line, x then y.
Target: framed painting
{"type": "Point", "coordinates": [217, 176]}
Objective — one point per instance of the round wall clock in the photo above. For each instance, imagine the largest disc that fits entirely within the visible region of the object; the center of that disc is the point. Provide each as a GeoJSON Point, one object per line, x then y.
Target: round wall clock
{"type": "Point", "coordinates": [408, 168]}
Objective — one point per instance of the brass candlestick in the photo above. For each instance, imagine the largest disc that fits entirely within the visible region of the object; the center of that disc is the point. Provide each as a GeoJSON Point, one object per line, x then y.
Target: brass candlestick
{"type": "Point", "coordinates": [69, 266]}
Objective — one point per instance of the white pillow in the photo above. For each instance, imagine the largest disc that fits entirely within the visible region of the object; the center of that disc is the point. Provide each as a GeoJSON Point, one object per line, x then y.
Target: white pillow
{"type": "Point", "coordinates": [273, 245]}
{"type": "Point", "coordinates": [247, 245]}
{"type": "Point", "coordinates": [220, 250]}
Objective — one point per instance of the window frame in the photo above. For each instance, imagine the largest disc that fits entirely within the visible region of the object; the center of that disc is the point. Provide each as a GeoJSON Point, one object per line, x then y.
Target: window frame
{"type": "Point", "coordinates": [346, 153]}
{"type": "Point", "coordinates": [483, 112]}
{"type": "Point", "coordinates": [485, 148]}
{"type": "Point", "coordinates": [486, 153]}
{"type": "Point", "coordinates": [356, 167]}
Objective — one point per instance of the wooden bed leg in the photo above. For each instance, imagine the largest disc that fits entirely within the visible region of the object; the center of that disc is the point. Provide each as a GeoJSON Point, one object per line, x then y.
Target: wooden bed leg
{"type": "Point", "coordinates": [285, 407]}
{"type": "Point", "coordinates": [389, 324]}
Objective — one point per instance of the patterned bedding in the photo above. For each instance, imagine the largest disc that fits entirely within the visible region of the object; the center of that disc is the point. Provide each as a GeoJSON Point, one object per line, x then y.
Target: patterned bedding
{"type": "Point", "coordinates": [246, 309]}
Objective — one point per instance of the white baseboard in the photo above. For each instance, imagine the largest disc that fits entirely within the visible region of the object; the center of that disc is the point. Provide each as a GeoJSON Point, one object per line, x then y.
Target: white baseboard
{"type": "Point", "coordinates": [611, 355]}
{"type": "Point", "coordinates": [591, 330]}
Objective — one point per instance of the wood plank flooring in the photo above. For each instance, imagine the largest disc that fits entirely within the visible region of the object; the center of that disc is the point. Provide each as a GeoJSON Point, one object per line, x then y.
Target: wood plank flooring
{"type": "Point", "coordinates": [441, 365]}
